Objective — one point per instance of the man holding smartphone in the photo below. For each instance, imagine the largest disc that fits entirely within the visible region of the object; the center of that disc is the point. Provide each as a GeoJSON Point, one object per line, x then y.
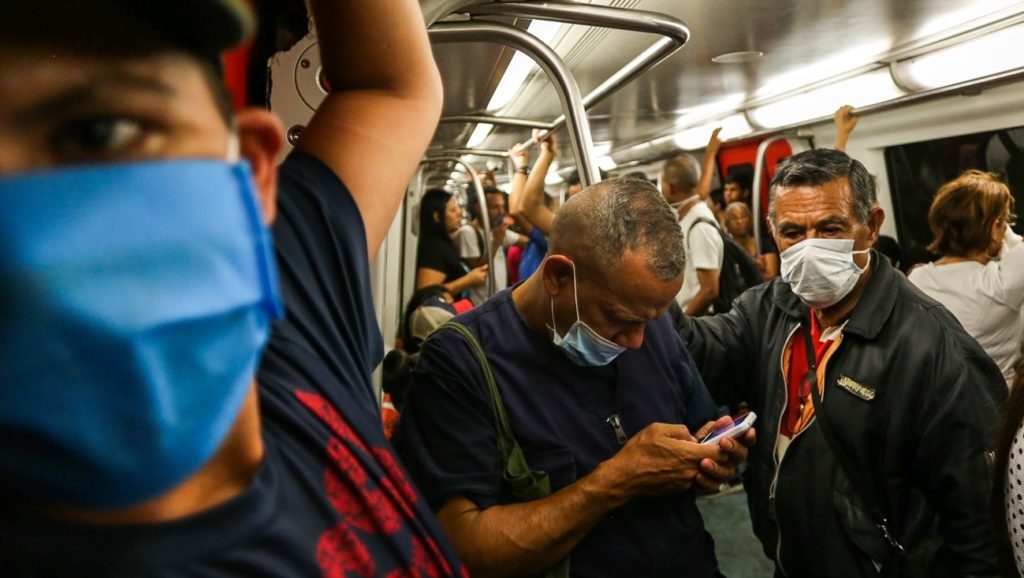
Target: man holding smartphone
{"type": "Point", "coordinates": [600, 394]}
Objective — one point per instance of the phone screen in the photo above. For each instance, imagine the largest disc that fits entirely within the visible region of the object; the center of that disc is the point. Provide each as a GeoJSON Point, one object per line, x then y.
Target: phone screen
{"type": "Point", "coordinates": [718, 432]}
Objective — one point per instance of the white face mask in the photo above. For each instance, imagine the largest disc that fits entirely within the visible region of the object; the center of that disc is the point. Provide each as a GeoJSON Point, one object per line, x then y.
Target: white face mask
{"type": "Point", "coordinates": [821, 271]}
{"type": "Point", "coordinates": [582, 344]}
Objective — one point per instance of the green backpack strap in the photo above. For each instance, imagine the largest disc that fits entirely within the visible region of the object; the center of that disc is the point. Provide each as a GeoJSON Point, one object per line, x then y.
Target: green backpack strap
{"type": "Point", "coordinates": [524, 484]}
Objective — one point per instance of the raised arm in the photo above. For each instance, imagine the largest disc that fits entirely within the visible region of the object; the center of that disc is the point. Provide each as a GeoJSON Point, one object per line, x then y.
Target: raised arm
{"type": "Point", "coordinates": [532, 206]}
{"type": "Point", "coordinates": [377, 60]}
{"type": "Point", "coordinates": [845, 121]}
{"type": "Point", "coordinates": [707, 169]}
{"type": "Point", "coordinates": [520, 160]}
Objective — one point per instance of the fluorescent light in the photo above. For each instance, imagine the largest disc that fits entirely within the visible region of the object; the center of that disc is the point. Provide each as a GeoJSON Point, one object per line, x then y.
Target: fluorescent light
{"type": "Point", "coordinates": [479, 134]}
{"type": "Point", "coordinates": [606, 163]}
{"type": "Point", "coordinates": [714, 109]}
{"type": "Point", "coordinates": [601, 149]}
{"type": "Point", "coordinates": [823, 69]}
{"type": "Point", "coordinates": [966, 12]}
{"type": "Point", "coordinates": [456, 175]}
{"type": "Point", "coordinates": [989, 54]}
{"type": "Point", "coordinates": [520, 66]}
{"type": "Point", "coordinates": [697, 137]}
{"type": "Point", "coordinates": [862, 90]}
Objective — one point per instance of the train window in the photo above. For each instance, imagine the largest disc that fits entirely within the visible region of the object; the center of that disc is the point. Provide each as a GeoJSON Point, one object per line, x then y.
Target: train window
{"type": "Point", "coordinates": [917, 170]}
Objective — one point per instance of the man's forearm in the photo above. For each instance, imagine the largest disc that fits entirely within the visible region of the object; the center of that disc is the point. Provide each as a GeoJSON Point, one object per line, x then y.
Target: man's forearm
{"type": "Point", "coordinates": [528, 538]}
{"type": "Point", "coordinates": [532, 204]}
{"type": "Point", "coordinates": [700, 303]}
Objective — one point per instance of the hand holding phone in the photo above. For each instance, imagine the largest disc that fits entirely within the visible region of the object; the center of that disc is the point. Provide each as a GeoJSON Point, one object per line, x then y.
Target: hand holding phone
{"type": "Point", "coordinates": [738, 427]}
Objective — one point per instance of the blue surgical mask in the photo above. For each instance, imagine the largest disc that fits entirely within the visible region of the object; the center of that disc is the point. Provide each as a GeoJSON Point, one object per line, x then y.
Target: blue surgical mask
{"type": "Point", "coordinates": [581, 343]}
{"type": "Point", "coordinates": [136, 299]}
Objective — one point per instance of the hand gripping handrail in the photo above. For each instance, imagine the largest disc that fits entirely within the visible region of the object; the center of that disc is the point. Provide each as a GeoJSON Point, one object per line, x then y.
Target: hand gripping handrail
{"type": "Point", "coordinates": [675, 32]}
{"type": "Point", "coordinates": [482, 200]}
{"type": "Point", "coordinates": [549, 61]}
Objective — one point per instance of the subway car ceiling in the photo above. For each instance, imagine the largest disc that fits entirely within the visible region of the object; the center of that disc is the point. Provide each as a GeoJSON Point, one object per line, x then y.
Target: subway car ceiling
{"type": "Point", "coordinates": [916, 70]}
{"type": "Point", "coordinates": [752, 67]}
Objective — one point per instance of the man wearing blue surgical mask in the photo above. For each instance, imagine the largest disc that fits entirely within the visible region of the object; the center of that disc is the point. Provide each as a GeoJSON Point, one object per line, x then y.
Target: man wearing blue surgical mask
{"type": "Point", "coordinates": [600, 395]}
{"type": "Point", "coordinates": [875, 407]}
{"type": "Point", "coordinates": [151, 421]}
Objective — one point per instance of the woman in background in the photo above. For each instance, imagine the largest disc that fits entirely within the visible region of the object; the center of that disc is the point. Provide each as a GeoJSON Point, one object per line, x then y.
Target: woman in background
{"type": "Point", "coordinates": [437, 258]}
{"type": "Point", "coordinates": [980, 274]}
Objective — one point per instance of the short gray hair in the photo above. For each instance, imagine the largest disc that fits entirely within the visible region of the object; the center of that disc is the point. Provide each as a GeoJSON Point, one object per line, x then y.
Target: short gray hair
{"type": "Point", "coordinates": [602, 222]}
{"type": "Point", "coordinates": [819, 166]}
{"type": "Point", "coordinates": [682, 172]}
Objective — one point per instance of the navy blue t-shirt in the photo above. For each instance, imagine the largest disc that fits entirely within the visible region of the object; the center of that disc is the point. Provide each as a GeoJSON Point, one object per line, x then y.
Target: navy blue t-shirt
{"type": "Point", "coordinates": [558, 412]}
{"type": "Point", "coordinates": [330, 499]}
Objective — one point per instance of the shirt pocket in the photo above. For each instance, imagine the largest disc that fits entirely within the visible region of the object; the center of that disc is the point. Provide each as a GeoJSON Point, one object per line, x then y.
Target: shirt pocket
{"type": "Point", "coordinates": [558, 463]}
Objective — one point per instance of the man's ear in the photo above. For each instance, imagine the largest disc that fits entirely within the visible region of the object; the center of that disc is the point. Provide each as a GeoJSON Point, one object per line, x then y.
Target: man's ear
{"type": "Point", "coordinates": [875, 220]}
{"type": "Point", "coordinates": [260, 139]}
{"type": "Point", "coordinates": [557, 271]}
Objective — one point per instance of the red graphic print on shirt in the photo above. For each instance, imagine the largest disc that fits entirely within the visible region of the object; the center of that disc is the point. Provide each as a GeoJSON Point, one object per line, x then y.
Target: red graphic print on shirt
{"type": "Point", "coordinates": [369, 509]}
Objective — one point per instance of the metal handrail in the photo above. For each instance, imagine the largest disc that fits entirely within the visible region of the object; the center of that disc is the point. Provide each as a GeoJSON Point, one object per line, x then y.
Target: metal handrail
{"type": "Point", "coordinates": [498, 120]}
{"type": "Point", "coordinates": [434, 10]}
{"type": "Point", "coordinates": [482, 202]}
{"type": "Point", "coordinates": [549, 61]}
{"type": "Point", "coordinates": [474, 152]}
{"type": "Point", "coordinates": [675, 33]}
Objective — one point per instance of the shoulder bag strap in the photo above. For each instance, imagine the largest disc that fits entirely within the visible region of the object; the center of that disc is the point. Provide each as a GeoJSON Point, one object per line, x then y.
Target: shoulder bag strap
{"type": "Point", "coordinates": [867, 490]}
{"type": "Point", "coordinates": [524, 484]}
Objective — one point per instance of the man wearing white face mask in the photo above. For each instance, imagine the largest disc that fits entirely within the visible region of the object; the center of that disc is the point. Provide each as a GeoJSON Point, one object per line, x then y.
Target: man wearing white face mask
{"type": "Point", "coordinates": [875, 406]}
{"type": "Point", "coordinates": [600, 395]}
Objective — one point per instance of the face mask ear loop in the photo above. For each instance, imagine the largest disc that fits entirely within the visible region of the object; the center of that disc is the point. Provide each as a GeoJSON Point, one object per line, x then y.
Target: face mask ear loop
{"type": "Point", "coordinates": [234, 148]}
{"type": "Point", "coordinates": [575, 297]}
{"type": "Point", "coordinates": [868, 264]}
{"type": "Point", "coordinates": [553, 326]}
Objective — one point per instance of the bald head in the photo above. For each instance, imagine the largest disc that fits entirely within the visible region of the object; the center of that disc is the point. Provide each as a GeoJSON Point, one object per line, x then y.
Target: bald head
{"type": "Point", "coordinates": [599, 225]}
{"type": "Point", "coordinates": [679, 178]}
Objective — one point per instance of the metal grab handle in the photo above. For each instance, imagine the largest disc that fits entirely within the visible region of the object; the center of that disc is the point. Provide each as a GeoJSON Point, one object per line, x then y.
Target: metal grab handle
{"type": "Point", "coordinates": [482, 200]}
{"type": "Point", "coordinates": [755, 193]}
{"type": "Point", "coordinates": [674, 30]}
{"type": "Point", "coordinates": [549, 61]}
{"type": "Point", "coordinates": [434, 10]}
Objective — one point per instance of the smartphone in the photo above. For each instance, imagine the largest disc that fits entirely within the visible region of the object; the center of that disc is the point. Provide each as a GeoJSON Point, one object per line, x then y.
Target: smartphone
{"type": "Point", "coordinates": [736, 428]}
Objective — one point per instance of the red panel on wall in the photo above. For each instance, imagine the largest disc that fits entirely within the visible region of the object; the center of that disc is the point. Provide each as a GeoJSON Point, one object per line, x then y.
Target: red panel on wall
{"type": "Point", "coordinates": [747, 153]}
{"type": "Point", "coordinates": [235, 73]}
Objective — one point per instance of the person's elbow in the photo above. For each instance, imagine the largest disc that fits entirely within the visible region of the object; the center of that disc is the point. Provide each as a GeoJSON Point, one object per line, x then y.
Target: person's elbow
{"type": "Point", "coordinates": [422, 88]}
{"type": "Point", "coordinates": [709, 285]}
{"type": "Point", "coordinates": [433, 89]}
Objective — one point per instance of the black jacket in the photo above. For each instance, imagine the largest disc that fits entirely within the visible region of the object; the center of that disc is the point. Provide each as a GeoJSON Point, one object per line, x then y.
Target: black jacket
{"type": "Point", "coordinates": [921, 437]}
